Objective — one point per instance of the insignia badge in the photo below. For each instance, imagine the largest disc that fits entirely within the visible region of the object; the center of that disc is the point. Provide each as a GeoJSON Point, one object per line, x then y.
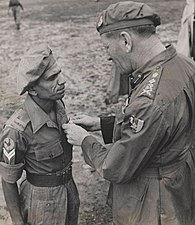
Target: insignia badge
{"type": "Point", "coordinates": [136, 124]}
{"type": "Point", "coordinates": [8, 148]}
{"type": "Point", "coordinates": [100, 22]}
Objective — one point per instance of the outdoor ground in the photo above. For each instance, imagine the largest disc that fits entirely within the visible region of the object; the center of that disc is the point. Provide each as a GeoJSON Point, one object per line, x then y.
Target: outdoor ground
{"type": "Point", "coordinates": [69, 28]}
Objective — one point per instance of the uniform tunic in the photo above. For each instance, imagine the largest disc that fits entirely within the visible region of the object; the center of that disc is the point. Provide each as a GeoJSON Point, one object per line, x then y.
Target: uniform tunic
{"type": "Point", "coordinates": [150, 163]}
{"type": "Point", "coordinates": [31, 141]}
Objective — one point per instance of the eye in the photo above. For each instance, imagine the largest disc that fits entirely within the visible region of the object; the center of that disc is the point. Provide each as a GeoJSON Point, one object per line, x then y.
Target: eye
{"type": "Point", "coordinates": [53, 77]}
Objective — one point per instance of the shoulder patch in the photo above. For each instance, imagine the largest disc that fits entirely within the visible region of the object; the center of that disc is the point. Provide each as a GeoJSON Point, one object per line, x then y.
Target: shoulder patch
{"type": "Point", "coordinates": [149, 90]}
{"type": "Point", "coordinates": [18, 120]}
{"type": "Point", "coordinates": [8, 150]}
{"type": "Point", "coordinates": [136, 124]}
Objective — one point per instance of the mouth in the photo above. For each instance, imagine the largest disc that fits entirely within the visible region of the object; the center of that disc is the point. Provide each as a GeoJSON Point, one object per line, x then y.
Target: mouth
{"type": "Point", "coordinates": [61, 90]}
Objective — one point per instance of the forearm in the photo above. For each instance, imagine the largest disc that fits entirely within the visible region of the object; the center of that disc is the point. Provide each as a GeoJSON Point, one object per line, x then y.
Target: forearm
{"type": "Point", "coordinates": [94, 153]}
{"type": "Point", "coordinates": [12, 200]}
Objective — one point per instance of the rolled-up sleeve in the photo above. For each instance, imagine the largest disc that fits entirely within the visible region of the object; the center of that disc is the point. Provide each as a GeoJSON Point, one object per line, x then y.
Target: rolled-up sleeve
{"type": "Point", "coordinates": [124, 159]}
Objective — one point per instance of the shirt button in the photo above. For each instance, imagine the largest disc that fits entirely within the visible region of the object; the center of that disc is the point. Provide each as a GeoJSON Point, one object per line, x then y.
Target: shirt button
{"type": "Point", "coordinates": [51, 155]}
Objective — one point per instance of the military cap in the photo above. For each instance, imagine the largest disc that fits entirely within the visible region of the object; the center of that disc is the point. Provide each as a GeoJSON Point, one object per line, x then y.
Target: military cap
{"type": "Point", "coordinates": [125, 15]}
{"type": "Point", "coordinates": [32, 66]}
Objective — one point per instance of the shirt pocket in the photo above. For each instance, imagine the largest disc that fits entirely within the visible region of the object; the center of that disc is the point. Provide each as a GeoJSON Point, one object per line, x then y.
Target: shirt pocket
{"type": "Point", "coordinates": [49, 151]}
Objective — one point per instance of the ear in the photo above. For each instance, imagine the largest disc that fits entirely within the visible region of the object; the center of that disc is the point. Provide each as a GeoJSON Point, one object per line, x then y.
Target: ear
{"type": "Point", "coordinates": [32, 91]}
{"type": "Point", "coordinates": [126, 41]}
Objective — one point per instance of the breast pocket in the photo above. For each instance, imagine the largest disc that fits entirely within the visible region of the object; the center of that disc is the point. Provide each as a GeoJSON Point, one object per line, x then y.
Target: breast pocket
{"type": "Point", "coordinates": [49, 151]}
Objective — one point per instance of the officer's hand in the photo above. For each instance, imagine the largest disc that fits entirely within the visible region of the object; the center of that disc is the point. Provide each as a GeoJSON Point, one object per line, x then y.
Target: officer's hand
{"type": "Point", "coordinates": [87, 122]}
{"type": "Point", "coordinates": [75, 134]}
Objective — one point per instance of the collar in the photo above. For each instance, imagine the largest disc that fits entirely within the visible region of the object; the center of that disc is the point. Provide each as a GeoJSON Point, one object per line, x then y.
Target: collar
{"type": "Point", "coordinates": [38, 117]}
{"type": "Point", "coordinates": [140, 74]}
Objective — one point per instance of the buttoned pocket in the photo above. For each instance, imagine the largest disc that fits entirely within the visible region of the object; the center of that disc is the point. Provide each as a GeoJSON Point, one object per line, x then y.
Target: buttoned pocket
{"type": "Point", "coordinates": [49, 151]}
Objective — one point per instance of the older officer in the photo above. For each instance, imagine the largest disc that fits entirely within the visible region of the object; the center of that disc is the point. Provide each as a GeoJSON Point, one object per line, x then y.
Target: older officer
{"type": "Point", "coordinates": [149, 163]}
{"type": "Point", "coordinates": [33, 141]}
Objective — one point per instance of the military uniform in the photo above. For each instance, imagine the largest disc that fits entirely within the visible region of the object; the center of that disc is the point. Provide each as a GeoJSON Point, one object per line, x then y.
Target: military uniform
{"type": "Point", "coordinates": [34, 143]}
{"type": "Point", "coordinates": [150, 164]}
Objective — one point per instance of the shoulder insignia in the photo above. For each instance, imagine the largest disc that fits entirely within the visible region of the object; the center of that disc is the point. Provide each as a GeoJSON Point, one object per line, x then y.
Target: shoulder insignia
{"type": "Point", "coordinates": [149, 90]}
{"type": "Point", "coordinates": [18, 120]}
{"type": "Point", "coordinates": [8, 149]}
{"type": "Point", "coordinates": [136, 124]}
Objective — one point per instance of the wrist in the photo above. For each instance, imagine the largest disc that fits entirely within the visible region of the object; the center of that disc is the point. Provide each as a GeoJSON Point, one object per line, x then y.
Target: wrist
{"type": "Point", "coordinates": [97, 123]}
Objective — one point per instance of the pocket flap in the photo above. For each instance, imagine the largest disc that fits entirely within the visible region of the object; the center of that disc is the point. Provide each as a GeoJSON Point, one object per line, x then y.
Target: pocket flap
{"type": "Point", "coordinates": [49, 151]}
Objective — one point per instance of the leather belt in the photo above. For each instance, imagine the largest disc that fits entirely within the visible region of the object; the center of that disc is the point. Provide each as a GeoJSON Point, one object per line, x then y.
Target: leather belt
{"type": "Point", "coordinates": [51, 179]}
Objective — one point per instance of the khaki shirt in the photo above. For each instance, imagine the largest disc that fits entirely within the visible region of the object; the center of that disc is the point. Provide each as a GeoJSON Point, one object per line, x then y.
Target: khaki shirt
{"type": "Point", "coordinates": [36, 139]}
{"type": "Point", "coordinates": [150, 164]}
{"type": "Point", "coordinates": [31, 141]}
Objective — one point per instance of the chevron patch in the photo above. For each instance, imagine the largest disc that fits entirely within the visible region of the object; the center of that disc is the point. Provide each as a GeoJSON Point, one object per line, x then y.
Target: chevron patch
{"type": "Point", "coordinates": [8, 149]}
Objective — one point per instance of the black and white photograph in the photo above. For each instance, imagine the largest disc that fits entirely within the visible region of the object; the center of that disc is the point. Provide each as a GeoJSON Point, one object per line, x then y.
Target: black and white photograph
{"type": "Point", "coordinates": [97, 112]}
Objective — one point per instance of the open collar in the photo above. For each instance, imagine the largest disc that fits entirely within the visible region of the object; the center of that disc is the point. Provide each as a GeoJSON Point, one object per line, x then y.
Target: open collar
{"type": "Point", "coordinates": [39, 118]}
{"type": "Point", "coordinates": [140, 74]}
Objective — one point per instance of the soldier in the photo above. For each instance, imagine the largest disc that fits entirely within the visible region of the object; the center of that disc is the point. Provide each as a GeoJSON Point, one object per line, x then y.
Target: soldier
{"type": "Point", "coordinates": [33, 141]}
{"type": "Point", "coordinates": [16, 6]}
{"type": "Point", "coordinates": [186, 37]}
{"type": "Point", "coordinates": [149, 153]}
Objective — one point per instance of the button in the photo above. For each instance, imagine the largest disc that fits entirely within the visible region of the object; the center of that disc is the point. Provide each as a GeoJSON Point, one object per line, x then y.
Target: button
{"type": "Point", "coordinates": [51, 155]}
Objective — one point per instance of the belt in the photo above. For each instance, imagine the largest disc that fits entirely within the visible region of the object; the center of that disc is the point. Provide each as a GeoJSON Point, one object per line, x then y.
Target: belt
{"type": "Point", "coordinates": [160, 172]}
{"type": "Point", "coordinates": [50, 180]}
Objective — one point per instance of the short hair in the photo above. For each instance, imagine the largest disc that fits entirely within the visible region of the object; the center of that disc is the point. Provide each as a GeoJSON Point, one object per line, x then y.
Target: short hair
{"type": "Point", "coordinates": [144, 31]}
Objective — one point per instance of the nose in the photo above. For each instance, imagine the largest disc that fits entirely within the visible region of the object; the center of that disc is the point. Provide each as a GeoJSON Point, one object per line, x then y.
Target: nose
{"type": "Point", "coordinates": [61, 79]}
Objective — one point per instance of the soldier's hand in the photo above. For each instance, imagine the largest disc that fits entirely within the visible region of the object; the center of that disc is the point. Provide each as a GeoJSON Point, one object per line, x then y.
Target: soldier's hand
{"type": "Point", "coordinates": [75, 134]}
{"type": "Point", "coordinates": [87, 122]}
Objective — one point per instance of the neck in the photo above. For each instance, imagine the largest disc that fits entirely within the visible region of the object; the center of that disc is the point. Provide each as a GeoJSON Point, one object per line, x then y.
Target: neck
{"type": "Point", "coordinates": [147, 50]}
{"type": "Point", "coordinates": [46, 105]}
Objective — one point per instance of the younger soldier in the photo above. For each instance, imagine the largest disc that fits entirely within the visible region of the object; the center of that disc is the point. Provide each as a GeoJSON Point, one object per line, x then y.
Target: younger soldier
{"type": "Point", "coordinates": [33, 141]}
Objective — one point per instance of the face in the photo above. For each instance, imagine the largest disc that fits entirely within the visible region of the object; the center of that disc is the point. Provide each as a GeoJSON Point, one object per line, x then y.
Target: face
{"type": "Point", "coordinates": [117, 53]}
{"type": "Point", "coordinates": [51, 85]}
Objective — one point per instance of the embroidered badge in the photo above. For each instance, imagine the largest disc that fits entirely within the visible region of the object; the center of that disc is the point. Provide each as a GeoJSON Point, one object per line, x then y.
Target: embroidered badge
{"type": "Point", "coordinates": [100, 22]}
{"type": "Point", "coordinates": [150, 88]}
{"type": "Point", "coordinates": [136, 124]}
{"type": "Point", "coordinates": [9, 148]}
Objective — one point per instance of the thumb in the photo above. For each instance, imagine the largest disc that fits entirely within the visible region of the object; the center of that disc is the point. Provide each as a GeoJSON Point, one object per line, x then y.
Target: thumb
{"type": "Point", "coordinates": [65, 126]}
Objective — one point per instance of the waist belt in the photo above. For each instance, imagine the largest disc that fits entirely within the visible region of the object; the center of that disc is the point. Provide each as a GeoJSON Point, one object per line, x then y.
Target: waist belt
{"type": "Point", "coordinates": [159, 172]}
{"type": "Point", "coordinates": [51, 179]}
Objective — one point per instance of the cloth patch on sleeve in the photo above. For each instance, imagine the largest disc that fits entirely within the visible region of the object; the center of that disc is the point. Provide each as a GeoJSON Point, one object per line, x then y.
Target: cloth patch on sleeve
{"type": "Point", "coordinates": [136, 124]}
{"type": "Point", "coordinates": [8, 149]}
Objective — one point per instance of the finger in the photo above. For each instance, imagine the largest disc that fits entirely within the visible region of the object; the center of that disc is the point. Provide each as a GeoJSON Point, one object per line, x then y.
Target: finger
{"type": "Point", "coordinates": [78, 117]}
{"type": "Point", "coordinates": [70, 121]}
{"type": "Point", "coordinates": [65, 126]}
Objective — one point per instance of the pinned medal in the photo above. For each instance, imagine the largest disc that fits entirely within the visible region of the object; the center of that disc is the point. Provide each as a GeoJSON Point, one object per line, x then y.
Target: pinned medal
{"type": "Point", "coordinates": [136, 124]}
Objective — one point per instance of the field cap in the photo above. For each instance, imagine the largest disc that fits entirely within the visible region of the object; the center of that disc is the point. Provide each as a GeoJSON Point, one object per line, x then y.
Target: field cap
{"type": "Point", "coordinates": [32, 66]}
{"type": "Point", "coordinates": [125, 15]}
